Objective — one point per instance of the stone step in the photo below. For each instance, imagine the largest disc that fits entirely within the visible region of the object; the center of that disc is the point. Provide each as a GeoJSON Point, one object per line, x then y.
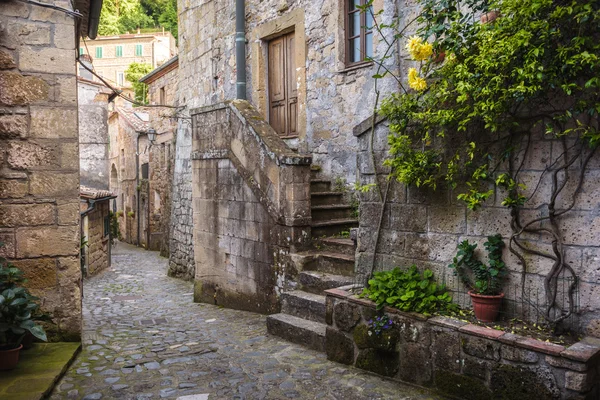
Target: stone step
{"type": "Point", "coordinates": [320, 185]}
{"type": "Point", "coordinates": [331, 211]}
{"type": "Point", "coordinates": [315, 170]}
{"type": "Point", "coordinates": [316, 281]}
{"type": "Point", "coordinates": [326, 198]}
{"type": "Point", "coordinates": [304, 305]}
{"type": "Point", "coordinates": [337, 245]}
{"type": "Point", "coordinates": [332, 227]}
{"type": "Point", "coordinates": [297, 330]}
{"type": "Point", "coordinates": [325, 261]}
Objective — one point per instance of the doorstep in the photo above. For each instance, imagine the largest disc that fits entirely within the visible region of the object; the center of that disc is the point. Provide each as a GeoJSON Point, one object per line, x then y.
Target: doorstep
{"type": "Point", "coordinates": [39, 369]}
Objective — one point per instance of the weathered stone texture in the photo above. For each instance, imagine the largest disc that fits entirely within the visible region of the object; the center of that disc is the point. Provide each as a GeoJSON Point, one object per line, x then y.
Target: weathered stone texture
{"type": "Point", "coordinates": [39, 173]}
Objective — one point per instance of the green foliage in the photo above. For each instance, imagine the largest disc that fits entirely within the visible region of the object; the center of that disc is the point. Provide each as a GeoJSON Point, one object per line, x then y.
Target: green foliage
{"type": "Point", "coordinates": [115, 232]}
{"type": "Point", "coordinates": [409, 291]}
{"type": "Point", "coordinates": [487, 279]}
{"type": "Point", "coordinates": [536, 65]}
{"type": "Point", "coordinates": [133, 74]}
{"type": "Point", "coordinates": [131, 214]}
{"type": "Point", "coordinates": [18, 308]}
{"type": "Point", "coordinates": [380, 323]}
{"type": "Point", "coordinates": [121, 16]}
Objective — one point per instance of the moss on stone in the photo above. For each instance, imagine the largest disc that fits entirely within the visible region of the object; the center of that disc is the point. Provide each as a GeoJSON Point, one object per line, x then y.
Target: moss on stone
{"type": "Point", "coordinates": [386, 340]}
{"type": "Point", "coordinates": [512, 382]}
{"type": "Point", "coordinates": [379, 361]}
{"type": "Point", "coordinates": [461, 386]}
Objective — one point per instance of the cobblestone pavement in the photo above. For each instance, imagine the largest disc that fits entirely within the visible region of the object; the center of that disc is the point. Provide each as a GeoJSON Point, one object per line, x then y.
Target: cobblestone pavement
{"type": "Point", "coordinates": [144, 338]}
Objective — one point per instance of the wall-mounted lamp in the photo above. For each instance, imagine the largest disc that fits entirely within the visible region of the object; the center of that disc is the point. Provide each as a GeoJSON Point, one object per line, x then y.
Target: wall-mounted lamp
{"type": "Point", "coordinates": [151, 135]}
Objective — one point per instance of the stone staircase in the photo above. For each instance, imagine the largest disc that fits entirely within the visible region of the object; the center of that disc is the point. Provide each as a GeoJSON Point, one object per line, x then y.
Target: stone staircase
{"type": "Point", "coordinates": [329, 264]}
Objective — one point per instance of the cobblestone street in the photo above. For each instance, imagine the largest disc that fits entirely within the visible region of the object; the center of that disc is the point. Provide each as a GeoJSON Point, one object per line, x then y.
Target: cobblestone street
{"type": "Point", "coordinates": [144, 338]}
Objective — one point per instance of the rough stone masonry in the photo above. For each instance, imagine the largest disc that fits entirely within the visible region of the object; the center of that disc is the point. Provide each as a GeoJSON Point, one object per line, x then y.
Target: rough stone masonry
{"type": "Point", "coordinates": [39, 175]}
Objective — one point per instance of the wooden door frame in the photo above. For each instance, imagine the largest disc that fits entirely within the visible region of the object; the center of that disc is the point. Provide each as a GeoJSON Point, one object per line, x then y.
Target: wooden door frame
{"type": "Point", "coordinates": [259, 38]}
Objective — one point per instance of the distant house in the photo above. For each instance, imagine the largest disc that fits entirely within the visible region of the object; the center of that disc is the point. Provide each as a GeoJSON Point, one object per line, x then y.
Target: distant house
{"type": "Point", "coordinates": [112, 55]}
{"type": "Point", "coordinates": [95, 229]}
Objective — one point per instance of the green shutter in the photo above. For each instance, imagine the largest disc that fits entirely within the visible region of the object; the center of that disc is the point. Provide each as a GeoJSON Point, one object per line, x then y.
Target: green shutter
{"type": "Point", "coordinates": [138, 49]}
{"type": "Point", "coordinates": [98, 52]}
{"type": "Point", "coordinates": [80, 50]}
{"type": "Point", "coordinates": [119, 51]}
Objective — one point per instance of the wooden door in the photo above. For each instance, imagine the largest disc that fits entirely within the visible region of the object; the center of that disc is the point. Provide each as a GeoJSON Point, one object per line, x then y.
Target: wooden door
{"type": "Point", "coordinates": [283, 92]}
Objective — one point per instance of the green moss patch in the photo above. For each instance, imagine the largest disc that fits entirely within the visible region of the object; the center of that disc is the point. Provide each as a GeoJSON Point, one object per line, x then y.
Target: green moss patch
{"type": "Point", "coordinates": [461, 386]}
{"type": "Point", "coordinates": [381, 362]}
{"type": "Point", "coordinates": [511, 382]}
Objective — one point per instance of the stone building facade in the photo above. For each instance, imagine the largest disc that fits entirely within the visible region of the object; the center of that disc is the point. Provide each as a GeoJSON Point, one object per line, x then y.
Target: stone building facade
{"type": "Point", "coordinates": [128, 129]}
{"type": "Point", "coordinates": [112, 55]}
{"type": "Point", "coordinates": [39, 178]}
{"type": "Point", "coordinates": [163, 82]}
{"type": "Point", "coordinates": [95, 229]}
{"type": "Point", "coordinates": [93, 133]}
{"type": "Point", "coordinates": [332, 93]}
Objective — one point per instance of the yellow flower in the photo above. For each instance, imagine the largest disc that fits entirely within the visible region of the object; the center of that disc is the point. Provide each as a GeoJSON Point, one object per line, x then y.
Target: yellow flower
{"type": "Point", "coordinates": [419, 49]}
{"type": "Point", "coordinates": [415, 81]}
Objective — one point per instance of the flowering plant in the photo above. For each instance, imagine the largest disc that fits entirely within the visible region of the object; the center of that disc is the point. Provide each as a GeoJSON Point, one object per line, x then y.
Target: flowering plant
{"type": "Point", "coordinates": [379, 324]}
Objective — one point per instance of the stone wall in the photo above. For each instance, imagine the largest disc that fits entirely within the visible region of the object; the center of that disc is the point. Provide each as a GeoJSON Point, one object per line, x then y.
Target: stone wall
{"type": "Point", "coordinates": [425, 226]}
{"type": "Point", "coordinates": [251, 207]}
{"type": "Point", "coordinates": [97, 251]}
{"type": "Point", "coordinates": [39, 176]}
{"type": "Point", "coordinates": [160, 186]}
{"type": "Point", "coordinates": [459, 359]}
{"type": "Point", "coordinates": [93, 134]}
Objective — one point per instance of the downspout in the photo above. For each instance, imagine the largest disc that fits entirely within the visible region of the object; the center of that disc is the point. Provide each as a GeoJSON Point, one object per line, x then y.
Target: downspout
{"type": "Point", "coordinates": [240, 48]}
{"type": "Point", "coordinates": [137, 186]}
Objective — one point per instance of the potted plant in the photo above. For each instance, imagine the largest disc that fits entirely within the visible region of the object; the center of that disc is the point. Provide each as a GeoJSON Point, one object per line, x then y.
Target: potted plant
{"type": "Point", "coordinates": [483, 281]}
{"type": "Point", "coordinates": [18, 312]}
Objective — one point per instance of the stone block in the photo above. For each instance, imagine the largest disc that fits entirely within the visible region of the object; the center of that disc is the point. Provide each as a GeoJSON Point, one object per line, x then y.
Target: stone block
{"type": "Point", "coordinates": [54, 123]}
{"type": "Point", "coordinates": [365, 338]}
{"type": "Point", "coordinates": [460, 386]}
{"type": "Point", "coordinates": [329, 302]}
{"type": "Point", "coordinates": [415, 363]}
{"type": "Point", "coordinates": [40, 272]}
{"type": "Point", "coordinates": [489, 221]}
{"type": "Point", "coordinates": [13, 188]}
{"type": "Point", "coordinates": [475, 367]}
{"type": "Point", "coordinates": [580, 381]}
{"type": "Point", "coordinates": [47, 241]}
{"type": "Point", "coordinates": [47, 60]}
{"type": "Point", "coordinates": [13, 126]}
{"type": "Point", "coordinates": [445, 350]}
{"type": "Point", "coordinates": [64, 36]}
{"type": "Point", "coordinates": [8, 248]}
{"type": "Point", "coordinates": [19, 90]}
{"type": "Point", "coordinates": [54, 184]}
{"type": "Point", "coordinates": [32, 155]}
{"type": "Point", "coordinates": [448, 219]}
{"type": "Point", "coordinates": [30, 33]}
{"type": "Point", "coordinates": [13, 215]}
{"type": "Point", "coordinates": [7, 61]}
{"type": "Point", "coordinates": [339, 347]}
{"type": "Point", "coordinates": [430, 247]}
{"type": "Point", "coordinates": [516, 382]}
{"type": "Point", "coordinates": [406, 217]}
{"type": "Point", "coordinates": [481, 348]}
{"type": "Point", "coordinates": [68, 214]}
{"type": "Point", "coordinates": [516, 354]}
{"type": "Point", "coordinates": [346, 315]}
{"type": "Point", "coordinates": [378, 361]}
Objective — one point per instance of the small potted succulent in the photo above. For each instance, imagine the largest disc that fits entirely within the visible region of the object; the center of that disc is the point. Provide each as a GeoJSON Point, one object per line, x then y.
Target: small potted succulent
{"type": "Point", "coordinates": [483, 281]}
{"type": "Point", "coordinates": [18, 312]}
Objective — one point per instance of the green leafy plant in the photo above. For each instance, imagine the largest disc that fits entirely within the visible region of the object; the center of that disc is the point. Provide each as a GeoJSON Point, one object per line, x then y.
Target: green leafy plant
{"type": "Point", "coordinates": [131, 214]}
{"type": "Point", "coordinates": [477, 276]}
{"type": "Point", "coordinates": [119, 213]}
{"type": "Point", "coordinates": [19, 310]}
{"type": "Point", "coordinates": [115, 232]}
{"type": "Point", "coordinates": [409, 291]}
{"type": "Point", "coordinates": [345, 234]}
{"type": "Point", "coordinates": [133, 74]}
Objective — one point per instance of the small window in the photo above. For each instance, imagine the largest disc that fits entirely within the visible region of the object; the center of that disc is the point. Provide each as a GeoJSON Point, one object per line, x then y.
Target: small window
{"type": "Point", "coordinates": [119, 51]}
{"type": "Point", "coordinates": [138, 50]}
{"type": "Point", "coordinates": [145, 171]}
{"type": "Point", "coordinates": [99, 52]}
{"type": "Point", "coordinates": [359, 32]}
{"type": "Point", "coordinates": [162, 95]}
{"type": "Point", "coordinates": [106, 225]}
{"type": "Point", "coordinates": [120, 78]}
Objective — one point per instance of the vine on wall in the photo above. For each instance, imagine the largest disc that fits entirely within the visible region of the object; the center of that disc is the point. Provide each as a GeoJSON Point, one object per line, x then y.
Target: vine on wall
{"type": "Point", "coordinates": [487, 76]}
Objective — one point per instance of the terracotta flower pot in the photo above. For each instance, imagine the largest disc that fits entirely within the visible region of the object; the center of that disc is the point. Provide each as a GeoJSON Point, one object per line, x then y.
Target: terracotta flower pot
{"type": "Point", "coordinates": [9, 358]}
{"type": "Point", "coordinates": [486, 307]}
{"type": "Point", "coordinates": [489, 16]}
{"type": "Point", "coordinates": [439, 57]}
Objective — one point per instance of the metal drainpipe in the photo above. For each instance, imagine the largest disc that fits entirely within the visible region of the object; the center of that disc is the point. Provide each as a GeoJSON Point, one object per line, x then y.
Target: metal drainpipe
{"type": "Point", "coordinates": [137, 183]}
{"type": "Point", "coordinates": [240, 48]}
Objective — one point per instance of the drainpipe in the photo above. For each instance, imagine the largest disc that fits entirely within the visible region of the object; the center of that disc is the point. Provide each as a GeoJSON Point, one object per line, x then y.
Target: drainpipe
{"type": "Point", "coordinates": [240, 48]}
{"type": "Point", "coordinates": [137, 185]}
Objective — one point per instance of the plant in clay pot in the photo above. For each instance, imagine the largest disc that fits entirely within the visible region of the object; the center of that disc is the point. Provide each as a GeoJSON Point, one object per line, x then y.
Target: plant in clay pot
{"type": "Point", "coordinates": [483, 281]}
{"type": "Point", "coordinates": [489, 16]}
{"type": "Point", "coordinates": [18, 312]}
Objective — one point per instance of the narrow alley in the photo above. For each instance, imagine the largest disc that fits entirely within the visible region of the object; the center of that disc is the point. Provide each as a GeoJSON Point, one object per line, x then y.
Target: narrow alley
{"type": "Point", "coordinates": [144, 338]}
